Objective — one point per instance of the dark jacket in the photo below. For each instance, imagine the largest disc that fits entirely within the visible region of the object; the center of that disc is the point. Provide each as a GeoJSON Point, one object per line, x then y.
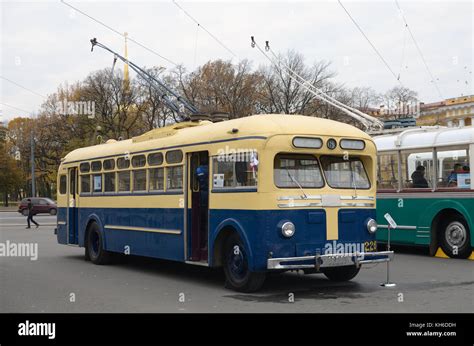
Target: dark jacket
{"type": "Point", "coordinates": [30, 208]}
{"type": "Point", "coordinates": [419, 180]}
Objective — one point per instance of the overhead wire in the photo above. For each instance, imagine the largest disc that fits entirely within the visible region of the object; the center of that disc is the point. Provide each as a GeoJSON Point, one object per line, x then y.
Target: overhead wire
{"type": "Point", "coordinates": [17, 108]}
{"type": "Point", "coordinates": [23, 87]}
{"type": "Point", "coordinates": [370, 42]}
{"type": "Point", "coordinates": [121, 34]}
{"type": "Point", "coordinates": [433, 79]}
{"type": "Point", "coordinates": [203, 28]}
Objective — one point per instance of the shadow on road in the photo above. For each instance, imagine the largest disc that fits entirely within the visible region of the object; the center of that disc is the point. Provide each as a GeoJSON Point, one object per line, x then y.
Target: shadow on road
{"type": "Point", "coordinates": [276, 288]}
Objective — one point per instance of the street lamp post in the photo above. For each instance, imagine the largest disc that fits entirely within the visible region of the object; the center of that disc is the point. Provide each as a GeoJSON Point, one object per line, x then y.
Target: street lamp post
{"type": "Point", "coordinates": [33, 182]}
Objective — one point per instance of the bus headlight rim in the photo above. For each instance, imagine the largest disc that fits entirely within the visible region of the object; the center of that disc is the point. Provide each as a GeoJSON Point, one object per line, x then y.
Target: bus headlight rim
{"type": "Point", "coordinates": [372, 226]}
{"type": "Point", "coordinates": [288, 229]}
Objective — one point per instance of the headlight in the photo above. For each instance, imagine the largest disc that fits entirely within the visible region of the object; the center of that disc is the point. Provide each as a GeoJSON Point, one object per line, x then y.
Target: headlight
{"type": "Point", "coordinates": [372, 226]}
{"type": "Point", "coordinates": [288, 229]}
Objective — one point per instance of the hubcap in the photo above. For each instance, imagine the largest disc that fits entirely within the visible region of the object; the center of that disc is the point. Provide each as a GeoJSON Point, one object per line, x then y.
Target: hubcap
{"type": "Point", "coordinates": [456, 234]}
{"type": "Point", "coordinates": [237, 262]}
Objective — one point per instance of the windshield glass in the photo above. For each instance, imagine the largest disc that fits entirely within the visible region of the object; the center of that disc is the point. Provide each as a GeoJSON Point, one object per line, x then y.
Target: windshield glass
{"type": "Point", "coordinates": [344, 174]}
{"type": "Point", "coordinates": [293, 169]}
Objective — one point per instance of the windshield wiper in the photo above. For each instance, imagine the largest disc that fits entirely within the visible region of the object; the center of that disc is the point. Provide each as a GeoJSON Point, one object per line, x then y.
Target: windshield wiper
{"type": "Point", "coordinates": [353, 180]}
{"type": "Point", "coordinates": [296, 182]}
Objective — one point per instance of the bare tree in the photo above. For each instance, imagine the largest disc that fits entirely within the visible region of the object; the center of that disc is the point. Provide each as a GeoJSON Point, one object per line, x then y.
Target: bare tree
{"type": "Point", "coordinates": [282, 94]}
{"type": "Point", "coordinates": [399, 102]}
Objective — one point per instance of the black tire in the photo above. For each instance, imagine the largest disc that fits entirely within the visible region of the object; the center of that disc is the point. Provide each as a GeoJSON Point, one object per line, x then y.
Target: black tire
{"type": "Point", "coordinates": [24, 212]}
{"type": "Point", "coordinates": [95, 246]}
{"type": "Point", "coordinates": [237, 273]}
{"type": "Point", "coordinates": [87, 257]}
{"type": "Point", "coordinates": [455, 233]}
{"type": "Point", "coordinates": [53, 211]}
{"type": "Point", "coordinates": [340, 274]}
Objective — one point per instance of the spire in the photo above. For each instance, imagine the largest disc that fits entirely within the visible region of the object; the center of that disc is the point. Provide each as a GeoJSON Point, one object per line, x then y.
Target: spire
{"type": "Point", "coordinates": [126, 80]}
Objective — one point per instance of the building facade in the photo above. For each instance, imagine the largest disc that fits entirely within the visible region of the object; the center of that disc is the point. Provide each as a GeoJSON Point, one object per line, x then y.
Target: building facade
{"type": "Point", "coordinates": [458, 111]}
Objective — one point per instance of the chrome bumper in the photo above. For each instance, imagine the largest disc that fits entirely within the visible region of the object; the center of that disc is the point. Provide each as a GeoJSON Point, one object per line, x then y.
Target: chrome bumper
{"type": "Point", "coordinates": [329, 260]}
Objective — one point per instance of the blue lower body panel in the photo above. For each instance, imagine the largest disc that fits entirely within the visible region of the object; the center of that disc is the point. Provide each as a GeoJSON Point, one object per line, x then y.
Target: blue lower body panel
{"type": "Point", "coordinates": [257, 229]}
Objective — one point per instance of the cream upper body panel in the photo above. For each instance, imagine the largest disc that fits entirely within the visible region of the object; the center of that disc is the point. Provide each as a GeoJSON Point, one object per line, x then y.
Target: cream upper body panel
{"type": "Point", "coordinates": [181, 135]}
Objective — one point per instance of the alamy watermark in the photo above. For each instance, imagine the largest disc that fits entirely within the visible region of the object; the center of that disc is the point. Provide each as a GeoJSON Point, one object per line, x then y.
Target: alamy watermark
{"type": "Point", "coordinates": [9, 249]}
{"type": "Point", "coordinates": [66, 107]}
{"type": "Point", "coordinates": [228, 154]}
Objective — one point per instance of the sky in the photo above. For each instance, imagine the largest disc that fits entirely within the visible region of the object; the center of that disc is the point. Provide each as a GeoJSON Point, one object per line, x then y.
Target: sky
{"type": "Point", "coordinates": [45, 43]}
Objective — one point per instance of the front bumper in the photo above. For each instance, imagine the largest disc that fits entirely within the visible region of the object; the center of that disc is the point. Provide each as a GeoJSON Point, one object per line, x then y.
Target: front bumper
{"type": "Point", "coordinates": [329, 260]}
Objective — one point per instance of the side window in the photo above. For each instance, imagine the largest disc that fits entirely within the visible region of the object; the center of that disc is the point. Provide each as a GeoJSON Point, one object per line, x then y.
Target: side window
{"type": "Point", "coordinates": [139, 180]}
{"type": "Point", "coordinates": [454, 169]}
{"type": "Point", "coordinates": [156, 179]}
{"type": "Point", "coordinates": [122, 163]}
{"type": "Point", "coordinates": [96, 166]}
{"type": "Point", "coordinates": [138, 161]}
{"type": "Point", "coordinates": [97, 179]}
{"type": "Point", "coordinates": [174, 156]}
{"type": "Point", "coordinates": [85, 167]}
{"type": "Point", "coordinates": [417, 170]}
{"type": "Point", "coordinates": [62, 184]}
{"type": "Point", "coordinates": [387, 172]}
{"type": "Point", "coordinates": [109, 181]}
{"type": "Point", "coordinates": [109, 164]}
{"type": "Point", "coordinates": [155, 159]}
{"type": "Point", "coordinates": [124, 181]}
{"type": "Point", "coordinates": [174, 178]}
{"type": "Point", "coordinates": [85, 183]}
{"type": "Point", "coordinates": [228, 173]}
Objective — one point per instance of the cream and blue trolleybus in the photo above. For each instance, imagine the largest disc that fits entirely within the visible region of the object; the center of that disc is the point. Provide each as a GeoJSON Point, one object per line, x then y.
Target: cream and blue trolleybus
{"type": "Point", "coordinates": [252, 195]}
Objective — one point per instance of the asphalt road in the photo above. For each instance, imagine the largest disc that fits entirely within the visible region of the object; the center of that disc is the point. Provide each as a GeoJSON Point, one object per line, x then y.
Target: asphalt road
{"type": "Point", "coordinates": [61, 281]}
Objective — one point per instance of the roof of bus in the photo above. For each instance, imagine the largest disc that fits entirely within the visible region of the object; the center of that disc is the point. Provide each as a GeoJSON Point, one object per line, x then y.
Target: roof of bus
{"type": "Point", "coordinates": [189, 133]}
{"type": "Point", "coordinates": [425, 138]}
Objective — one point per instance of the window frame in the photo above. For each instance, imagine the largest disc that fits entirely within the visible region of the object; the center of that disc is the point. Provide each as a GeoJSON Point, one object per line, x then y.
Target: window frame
{"type": "Point", "coordinates": [354, 158]}
{"type": "Point", "coordinates": [132, 184]}
{"type": "Point", "coordinates": [90, 185]}
{"type": "Point", "coordinates": [323, 178]}
{"type": "Point", "coordinates": [114, 173]}
{"type": "Point", "coordinates": [213, 160]}
{"type": "Point", "coordinates": [118, 191]}
{"type": "Point", "coordinates": [166, 185]}
{"type": "Point", "coordinates": [155, 154]}
{"type": "Point", "coordinates": [169, 152]}
{"type": "Point", "coordinates": [61, 184]}
{"type": "Point", "coordinates": [163, 169]}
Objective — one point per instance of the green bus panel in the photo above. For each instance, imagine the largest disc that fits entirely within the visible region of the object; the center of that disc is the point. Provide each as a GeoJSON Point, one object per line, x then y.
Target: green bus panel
{"type": "Point", "coordinates": [415, 215]}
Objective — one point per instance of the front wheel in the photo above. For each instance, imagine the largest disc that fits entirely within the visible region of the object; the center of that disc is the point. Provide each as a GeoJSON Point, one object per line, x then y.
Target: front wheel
{"type": "Point", "coordinates": [95, 246]}
{"type": "Point", "coordinates": [455, 239]}
{"type": "Point", "coordinates": [339, 274]}
{"type": "Point", "coordinates": [53, 212]}
{"type": "Point", "coordinates": [24, 212]}
{"type": "Point", "coordinates": [236, 267]}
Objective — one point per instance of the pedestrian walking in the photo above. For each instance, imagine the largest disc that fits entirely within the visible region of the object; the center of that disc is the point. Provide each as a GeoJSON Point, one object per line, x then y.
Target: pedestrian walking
{"type": "Point", "coordinates": [30, 214]}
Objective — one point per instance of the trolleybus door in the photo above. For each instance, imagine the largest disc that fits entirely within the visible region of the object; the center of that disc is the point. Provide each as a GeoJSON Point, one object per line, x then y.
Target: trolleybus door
{"type": "Point", "coordinates": [198, 189]}
{"type": "Point", "coordinates": [72, 214]}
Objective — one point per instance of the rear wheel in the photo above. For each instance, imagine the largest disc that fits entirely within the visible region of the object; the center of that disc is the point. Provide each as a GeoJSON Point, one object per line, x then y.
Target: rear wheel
{"type": "Point", "coordinates": [24, 212]}
{"type": "Point", "coordinates": [236, 267]}
{"type": "Point", "coordinates": [95, 246]}
{"type": "Point", "coordinates": [345, 273]}
{"type": "Point", "coordinates": [455, 239]}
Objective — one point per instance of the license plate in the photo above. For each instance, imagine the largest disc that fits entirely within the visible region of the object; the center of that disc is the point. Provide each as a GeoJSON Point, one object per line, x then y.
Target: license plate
{"type": "Point", "coordinates": [370, 246]}
{"type": "Point", "coordinates": [337, 261]}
